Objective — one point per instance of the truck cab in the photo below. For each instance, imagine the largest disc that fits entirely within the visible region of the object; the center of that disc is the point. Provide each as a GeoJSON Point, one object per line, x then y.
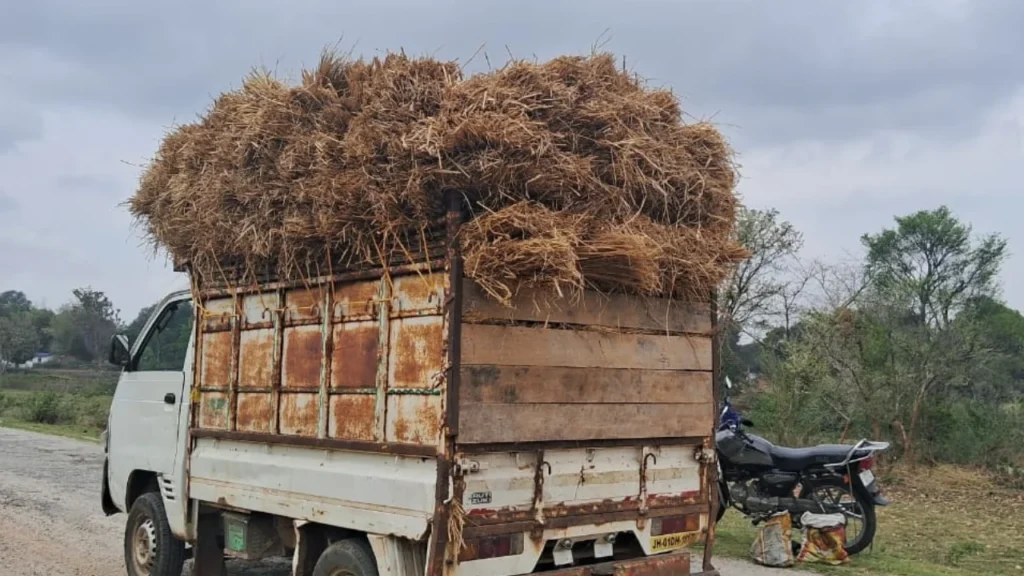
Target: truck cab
{"type": "Point", "coordinates": [145, 442]}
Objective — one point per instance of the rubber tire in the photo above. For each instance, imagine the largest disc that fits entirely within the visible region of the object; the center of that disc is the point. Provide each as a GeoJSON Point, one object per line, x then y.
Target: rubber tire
{"type": "Point", "coordinates": [352, 556]}
{"type": "Point", "coordinates": [867, 506]}
{"type": "Point", "coordinates": [170, 555]}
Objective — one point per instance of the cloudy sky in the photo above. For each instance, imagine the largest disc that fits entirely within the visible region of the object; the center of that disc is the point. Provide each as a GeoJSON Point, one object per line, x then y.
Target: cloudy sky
{"type": "Point", "coordinates": [844, 113]}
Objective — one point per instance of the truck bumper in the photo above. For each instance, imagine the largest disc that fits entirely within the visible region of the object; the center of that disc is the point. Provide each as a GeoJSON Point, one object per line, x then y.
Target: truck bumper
{"type": "Point", "coordinates": [675, 564]}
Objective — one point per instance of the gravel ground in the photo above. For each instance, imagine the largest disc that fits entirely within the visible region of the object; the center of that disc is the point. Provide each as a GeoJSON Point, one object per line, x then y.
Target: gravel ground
{"type": "Point", "coordinates": [51, 523]}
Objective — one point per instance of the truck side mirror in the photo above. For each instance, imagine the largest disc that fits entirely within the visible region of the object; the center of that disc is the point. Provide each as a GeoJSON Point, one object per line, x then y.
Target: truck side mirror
{"type": "Point", "coordinates": [120, 351]}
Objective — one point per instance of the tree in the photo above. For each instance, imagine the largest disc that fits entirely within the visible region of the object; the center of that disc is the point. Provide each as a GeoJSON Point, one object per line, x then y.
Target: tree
{"type": "Point", "coordinates": [901, 343]}
{"type": "Point", "coordinates": [758, 288]}
{"type": "Point", "coordinates": [931, 262]}
{"type": "Point", "coordinates": [12, 302]}
{"type": "Point", "coordinates": [133, 329]}
{"type": "Point", "coordinates": [751, 292]}
{"type": "Point", "coordinates": [24, 329]}
{"type": "Point", "coordinates": [83, 328]}
{"type": "Point", "coordinates": [19, 340]}
{"type": "Point", "coordinates": [1000, 329]}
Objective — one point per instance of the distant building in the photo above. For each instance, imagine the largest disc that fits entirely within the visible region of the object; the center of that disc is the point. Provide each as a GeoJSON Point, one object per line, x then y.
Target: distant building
{"type": "Point", "coordinates": [38, 359]}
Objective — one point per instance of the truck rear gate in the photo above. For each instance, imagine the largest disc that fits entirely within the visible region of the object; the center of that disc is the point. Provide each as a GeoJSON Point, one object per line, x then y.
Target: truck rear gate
{"type": "Point", "coordinates": [404, 402]}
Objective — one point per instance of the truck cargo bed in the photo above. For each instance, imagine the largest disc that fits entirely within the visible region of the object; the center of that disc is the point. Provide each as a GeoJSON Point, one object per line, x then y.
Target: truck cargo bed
{"type": "Point", "coordinates": [405, 402]}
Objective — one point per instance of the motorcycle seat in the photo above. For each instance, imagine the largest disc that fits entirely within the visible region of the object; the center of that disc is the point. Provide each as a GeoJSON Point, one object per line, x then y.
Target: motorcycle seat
{"type": "Point", "coordinates": [796, 459]}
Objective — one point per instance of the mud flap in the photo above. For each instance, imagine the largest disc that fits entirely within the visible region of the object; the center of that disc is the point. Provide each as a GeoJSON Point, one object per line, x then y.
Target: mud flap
{"type": "Point", "coordinates": [309, 545]}
{"type": "Point", "coordinates": [207, 551]}
{"type": "Point", "coordinates": [107, 502]}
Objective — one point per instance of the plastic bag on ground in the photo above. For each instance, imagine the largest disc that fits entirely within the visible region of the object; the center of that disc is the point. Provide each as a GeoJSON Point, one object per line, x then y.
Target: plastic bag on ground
{"type": "Point", "coordinates": [773, 547]}
{"type": "Point", "coordinates": [824, 537]}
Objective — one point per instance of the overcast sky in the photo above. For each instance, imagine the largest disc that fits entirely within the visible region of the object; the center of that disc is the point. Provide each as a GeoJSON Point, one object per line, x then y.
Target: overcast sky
{"type": "Point", "coordinates": [844, 113]}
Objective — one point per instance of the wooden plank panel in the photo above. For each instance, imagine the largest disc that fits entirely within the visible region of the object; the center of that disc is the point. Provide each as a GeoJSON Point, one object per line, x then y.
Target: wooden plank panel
{"type": "Point", "coordinates": [521, 346]}
{"type": "Point", "coordinates": [557, 385]}
{"type": "Point", "coordinates": [614, 311]}
{"type": "Point", "coordinates": [506, 423]}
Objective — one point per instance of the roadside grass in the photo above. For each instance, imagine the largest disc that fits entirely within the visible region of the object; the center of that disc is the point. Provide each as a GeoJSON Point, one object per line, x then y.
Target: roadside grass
{"type": "Point", "coordinates": [65, 403]}
{"type": "Point", "coordinates": [944, 520]}
{"type": "Point", "coordinates": [65, 430]}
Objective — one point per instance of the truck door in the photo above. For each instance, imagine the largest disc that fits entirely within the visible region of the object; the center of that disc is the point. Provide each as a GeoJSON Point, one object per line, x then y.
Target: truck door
{"type": "Point", "coordinates": [143, 427]}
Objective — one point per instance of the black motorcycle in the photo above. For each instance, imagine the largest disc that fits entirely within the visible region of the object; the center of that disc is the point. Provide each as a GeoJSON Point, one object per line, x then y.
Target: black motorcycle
{"type": "Point", "coordinates": [760, 479]}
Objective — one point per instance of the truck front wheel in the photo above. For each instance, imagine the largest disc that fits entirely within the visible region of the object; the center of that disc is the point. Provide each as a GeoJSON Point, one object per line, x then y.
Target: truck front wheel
{"type": "Point", "coordinates": [346, 558]}
{"type": "Point", "coordinates": [149, 547]}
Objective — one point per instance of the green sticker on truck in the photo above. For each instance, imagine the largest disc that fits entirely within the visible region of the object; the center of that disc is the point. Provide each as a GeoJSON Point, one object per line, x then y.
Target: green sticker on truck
{"type": "Point", "coordinates": [236, 537]}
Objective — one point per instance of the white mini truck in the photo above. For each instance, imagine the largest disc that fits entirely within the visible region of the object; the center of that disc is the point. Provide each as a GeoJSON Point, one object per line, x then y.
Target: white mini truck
{"type": "Point", "coordinates": [398, 422]}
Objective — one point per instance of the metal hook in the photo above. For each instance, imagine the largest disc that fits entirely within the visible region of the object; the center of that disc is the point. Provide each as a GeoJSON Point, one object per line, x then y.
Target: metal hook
{"type": "Point", "coordinates": [651, 455]}
{"type": "Point", "coordinates": [546, 463]}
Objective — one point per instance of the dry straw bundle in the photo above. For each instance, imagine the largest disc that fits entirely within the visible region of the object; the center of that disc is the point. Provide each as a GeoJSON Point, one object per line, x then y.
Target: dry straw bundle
{"type": "Point", "coordinates": [576, 176]}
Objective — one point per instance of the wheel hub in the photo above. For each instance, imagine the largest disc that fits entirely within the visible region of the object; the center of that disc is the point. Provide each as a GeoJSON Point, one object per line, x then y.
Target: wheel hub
{"type": "Point", "coordinates": [144, 546]}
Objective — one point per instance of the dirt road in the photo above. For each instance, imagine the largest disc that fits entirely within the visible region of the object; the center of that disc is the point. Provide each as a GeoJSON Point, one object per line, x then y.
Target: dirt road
{"type": "Point", "coordinates": [51, 523]}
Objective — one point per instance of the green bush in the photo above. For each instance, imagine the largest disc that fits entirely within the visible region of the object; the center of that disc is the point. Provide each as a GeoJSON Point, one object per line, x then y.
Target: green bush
{"type": "Point", "coordinates": [47, 408]}
{"type": "Point", "coordinates": [969, 432]}
{"type": "Point", "coordinates": [92, 411]}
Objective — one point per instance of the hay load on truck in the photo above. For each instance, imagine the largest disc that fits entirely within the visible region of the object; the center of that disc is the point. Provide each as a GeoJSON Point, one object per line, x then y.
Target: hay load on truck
{"type": "Point", "coordinates": [437, 324]}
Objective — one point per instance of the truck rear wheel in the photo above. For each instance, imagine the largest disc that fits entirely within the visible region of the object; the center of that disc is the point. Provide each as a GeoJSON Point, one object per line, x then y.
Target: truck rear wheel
{"type": "Point", "coordinates": [149, 547]}
{"type": "Point", "coordinates": [346, 558]}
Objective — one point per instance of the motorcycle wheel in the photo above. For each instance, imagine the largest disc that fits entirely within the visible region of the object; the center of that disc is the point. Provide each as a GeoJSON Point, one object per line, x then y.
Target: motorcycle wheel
{"type": "Point", "coordinates": [861, 509]}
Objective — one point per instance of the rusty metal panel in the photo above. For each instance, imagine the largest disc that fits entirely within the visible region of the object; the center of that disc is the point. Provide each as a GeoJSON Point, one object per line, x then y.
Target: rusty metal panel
{"type": "Point", "coordinates": [355, 299]}
{"type": "Point", "coordinates": [256, 359]}
{"type": "Point", "coordinates": [255, 412]}
{"type": "Point", "coordinates": [216, 365]}
{"type": "Point", "coordinates": [413, 418]}
{"type": "Point", "coordinates": [354, 362]}
{"type": "Point", "coordinates": [352, 416]}
{"type": "Point", "coordinates": [299, 412]}
{"type": "Point", "coordinates": [213, 410]}
{"type": "Point", "coordinates": [422, 292]}
{"type": "Point", "coordinates": [303, 347]}
{"type": "Point", "coordinates": [416, 352]}
{"type": "Point", "coordinates": [258, 309]}
{"type": "Point", "coordinates": [217, 314]}
{"type": "Point", "coordinates": [303, 306]}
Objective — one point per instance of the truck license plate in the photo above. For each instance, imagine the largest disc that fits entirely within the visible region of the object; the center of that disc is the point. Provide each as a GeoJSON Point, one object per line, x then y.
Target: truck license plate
{"type": "Point", "coordinates": [668, 542]}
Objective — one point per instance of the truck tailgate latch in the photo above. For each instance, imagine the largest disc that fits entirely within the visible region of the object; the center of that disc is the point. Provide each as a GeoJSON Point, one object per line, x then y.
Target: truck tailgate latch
{"type": "Point", "coordinates": [464, 466]}
{"type": "Point", "coordinates": [705, 456]}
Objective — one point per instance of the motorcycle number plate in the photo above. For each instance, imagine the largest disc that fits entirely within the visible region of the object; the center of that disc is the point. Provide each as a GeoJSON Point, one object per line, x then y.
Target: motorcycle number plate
{"type": "Point", "coordinates": [867, 477]}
